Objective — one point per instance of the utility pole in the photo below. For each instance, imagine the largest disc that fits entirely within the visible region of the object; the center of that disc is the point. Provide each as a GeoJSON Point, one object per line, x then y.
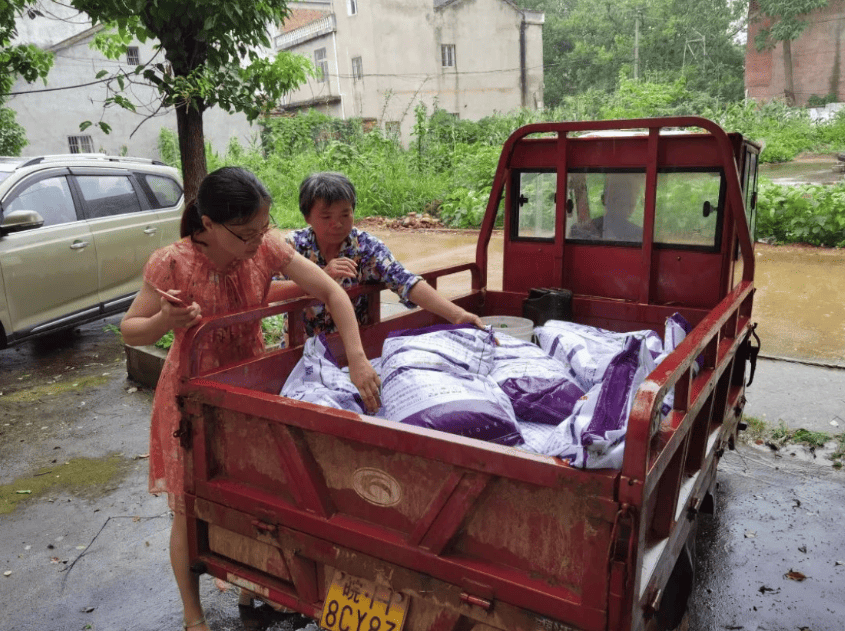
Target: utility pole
{"type": "Point", "coordinates": [636, 44]}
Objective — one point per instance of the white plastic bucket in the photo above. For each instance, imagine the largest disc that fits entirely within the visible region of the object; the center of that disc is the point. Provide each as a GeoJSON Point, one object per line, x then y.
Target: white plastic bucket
{"type": "Point", "coordinates": [521, 328]}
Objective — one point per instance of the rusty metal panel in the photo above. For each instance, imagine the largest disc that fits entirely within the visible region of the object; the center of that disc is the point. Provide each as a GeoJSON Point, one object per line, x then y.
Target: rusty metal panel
{"type": "Point", "coordinates": [247, 550]}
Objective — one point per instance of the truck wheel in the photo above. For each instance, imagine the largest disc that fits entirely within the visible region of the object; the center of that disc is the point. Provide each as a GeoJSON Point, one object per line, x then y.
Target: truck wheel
{"type": "Point", "coordinates": [673, 604]}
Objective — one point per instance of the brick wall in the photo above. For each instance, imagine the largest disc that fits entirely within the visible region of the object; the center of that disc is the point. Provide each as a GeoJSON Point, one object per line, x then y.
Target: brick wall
{"type": "Point", "coordinates": [818, 58]}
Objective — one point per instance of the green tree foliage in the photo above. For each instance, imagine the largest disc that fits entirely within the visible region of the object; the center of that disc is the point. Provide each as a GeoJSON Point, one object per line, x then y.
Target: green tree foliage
{"type": "Point", "coordinates": [12, 135]}
{"type": "Point", "coordinates": [588, 45]}
{"type": "Point", "coordinates": [16, 61]}
{"type": "Point", "coordinates": [210, 58]}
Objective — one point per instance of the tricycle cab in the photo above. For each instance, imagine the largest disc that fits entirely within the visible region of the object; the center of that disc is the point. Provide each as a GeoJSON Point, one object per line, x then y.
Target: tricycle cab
{"type": "Point", "coordinates": [321, 510]}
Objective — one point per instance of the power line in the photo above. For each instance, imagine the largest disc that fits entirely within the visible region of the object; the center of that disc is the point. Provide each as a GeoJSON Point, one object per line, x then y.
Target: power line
{"type": "Point", "coordinates": [64, 87]}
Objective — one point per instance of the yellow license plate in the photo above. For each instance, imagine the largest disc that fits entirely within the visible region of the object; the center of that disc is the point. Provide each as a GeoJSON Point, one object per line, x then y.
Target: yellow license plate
{"type": "Point", "coordinates": [356, 604]}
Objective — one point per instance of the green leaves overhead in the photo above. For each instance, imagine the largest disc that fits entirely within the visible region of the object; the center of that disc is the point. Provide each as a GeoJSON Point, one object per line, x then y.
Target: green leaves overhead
{"type": "Point", "coordinates": [786, 20]}
{"type": "Point", "coordinates": [210, 48]}
{"type": "Point", "coordinates": [25, 61]}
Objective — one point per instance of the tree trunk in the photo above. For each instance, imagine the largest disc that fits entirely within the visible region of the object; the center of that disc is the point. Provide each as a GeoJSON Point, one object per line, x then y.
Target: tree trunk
{"type": "Point", "coordinates": [788, 85]}
{"type": "Point", "coordinates": [191, 147]}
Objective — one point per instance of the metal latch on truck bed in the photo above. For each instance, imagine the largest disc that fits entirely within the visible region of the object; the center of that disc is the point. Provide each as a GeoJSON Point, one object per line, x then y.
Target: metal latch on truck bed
{"type": "Point", "coordinates": [752, 353]}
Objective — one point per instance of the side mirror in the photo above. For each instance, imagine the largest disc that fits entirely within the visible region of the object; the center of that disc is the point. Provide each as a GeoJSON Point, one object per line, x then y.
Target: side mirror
{"type": "Point", "coordinates": [20, 220]}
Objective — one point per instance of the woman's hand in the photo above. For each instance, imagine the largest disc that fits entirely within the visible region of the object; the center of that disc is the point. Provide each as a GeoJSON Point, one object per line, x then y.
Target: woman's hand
{"type": "Point", "coordinates": [342, 267]}
{"type": "Point", "coordinates": [465, 317]}
{"type": "Point", "coordinates": [366, 379]}
{"type": "Point", "coordinates": [177, 315]}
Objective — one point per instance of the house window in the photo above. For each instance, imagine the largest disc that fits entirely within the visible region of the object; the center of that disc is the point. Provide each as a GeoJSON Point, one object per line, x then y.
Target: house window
{"type": "Point", "coordinates": [447, 55]}
{"type": "Point", "coordinates": [352, 7]}
{"type": "Point", "coordinates": [133, 57]}
{"type": "Point", "coordinates": [357, 68]}
{"type": "Point", "coordinates": [322, 64]}
{"type": "Point", "coordinates": [80, 144]}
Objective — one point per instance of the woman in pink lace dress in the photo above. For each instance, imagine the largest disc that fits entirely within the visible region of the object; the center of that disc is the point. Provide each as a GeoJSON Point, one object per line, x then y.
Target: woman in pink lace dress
{"type": "Point", "coordinates": [224, 262]}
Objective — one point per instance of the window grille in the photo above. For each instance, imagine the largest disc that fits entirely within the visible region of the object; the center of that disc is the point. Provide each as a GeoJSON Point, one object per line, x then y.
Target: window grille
{"type": "Point", "coordinates": [321, 62]}
{"type": "Point", "coordinates": [133, 57]}
{"type": "Point", "coordinates": [447, 55]}
{"type": "Point", "coordinates": [357, 68]}
{"type": "Point", "coordinates": [80, 144]}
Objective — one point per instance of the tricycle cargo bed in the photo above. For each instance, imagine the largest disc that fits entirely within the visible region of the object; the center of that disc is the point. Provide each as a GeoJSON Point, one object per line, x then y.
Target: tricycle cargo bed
{"type": "Point", "coordinates": [367, 523]}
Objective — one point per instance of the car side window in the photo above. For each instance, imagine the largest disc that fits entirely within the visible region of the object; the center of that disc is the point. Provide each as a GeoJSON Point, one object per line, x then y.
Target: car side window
{"type": "Point", "coordinates": [165, 191]}
{"type": "Point", "coordinates": [107, 195]}
{"type": "Point", "coordinates": [49, 197]}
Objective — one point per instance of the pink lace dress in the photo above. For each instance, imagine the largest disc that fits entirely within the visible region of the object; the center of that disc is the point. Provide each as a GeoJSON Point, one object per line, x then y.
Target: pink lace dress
{"type": "Point", "coordinates": [244, 284]}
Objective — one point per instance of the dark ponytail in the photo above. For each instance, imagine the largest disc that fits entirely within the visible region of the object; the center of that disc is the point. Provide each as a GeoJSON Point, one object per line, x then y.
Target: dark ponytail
{"type": "Point", "coordinates": [191, 221]}
{"type": "Point", "coordinates": [227, 195]}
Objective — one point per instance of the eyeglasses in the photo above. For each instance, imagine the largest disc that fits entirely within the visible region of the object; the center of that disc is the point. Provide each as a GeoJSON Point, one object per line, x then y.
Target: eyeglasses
{"type": "Point", "coordinates": [255, 237]}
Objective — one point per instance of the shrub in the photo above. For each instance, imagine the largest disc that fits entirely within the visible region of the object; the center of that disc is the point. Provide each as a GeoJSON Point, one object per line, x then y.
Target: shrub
{"type": "Point", "coordinates": [812, 214]}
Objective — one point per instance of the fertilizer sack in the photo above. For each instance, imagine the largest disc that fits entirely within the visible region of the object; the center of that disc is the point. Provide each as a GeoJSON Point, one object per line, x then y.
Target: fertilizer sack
{"type": "Point", "coordinates": [593, 437]}
{"type": "Point", "coordinates": [540, 388]}
{"type": "Point", "coordinates": [587, 349]}
{"type": "Point", "coordinates": [317, 378]}
{"type": "Point", "coordinates": [437, 377]}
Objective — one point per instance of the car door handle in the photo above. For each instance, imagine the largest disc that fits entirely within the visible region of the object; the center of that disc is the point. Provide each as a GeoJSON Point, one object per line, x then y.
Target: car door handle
{"type": "Point", "coordinates": [79, 245]}
{"type": "Point", "coordinates": [150, 230]}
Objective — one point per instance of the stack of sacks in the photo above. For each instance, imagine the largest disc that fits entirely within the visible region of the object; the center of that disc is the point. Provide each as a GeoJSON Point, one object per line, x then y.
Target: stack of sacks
{"type": "Point", "coordinates": [317, 378]}
{"type": "Point", "coordinates": [569, 398]}
{"type": "Point", "coordinates": [438, 377]}
{"type": "Point", "coordinates": [611, 367]}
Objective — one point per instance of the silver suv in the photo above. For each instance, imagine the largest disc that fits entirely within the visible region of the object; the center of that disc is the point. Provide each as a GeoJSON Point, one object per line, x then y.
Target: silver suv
{"type": "Point", "coordinates": [75, 233]}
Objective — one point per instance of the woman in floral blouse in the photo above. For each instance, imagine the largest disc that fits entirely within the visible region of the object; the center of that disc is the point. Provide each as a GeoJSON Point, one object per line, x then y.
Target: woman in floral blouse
{"type": "Point", "coordinates": [354, 257]}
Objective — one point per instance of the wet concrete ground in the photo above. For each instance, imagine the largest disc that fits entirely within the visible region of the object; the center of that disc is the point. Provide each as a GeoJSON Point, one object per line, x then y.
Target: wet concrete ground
{"type": "Point", "coordinates": [85, 554]}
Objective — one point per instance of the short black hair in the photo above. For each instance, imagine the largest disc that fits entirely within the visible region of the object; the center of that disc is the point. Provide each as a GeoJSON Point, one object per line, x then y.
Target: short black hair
{"type": "Point", "coordinates": [327, 186]}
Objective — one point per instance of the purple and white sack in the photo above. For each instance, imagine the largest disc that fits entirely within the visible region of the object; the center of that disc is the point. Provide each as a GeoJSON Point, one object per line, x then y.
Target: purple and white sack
{"type": "Point", "coordinates": [676, 329]}
{"type": "Point", "coordinates": [593, 437]}
{"type": "Point", "coordinates": [317, 378]}
{"type": "Point", "coordinates": [460, 348]}
{"type": "Point", "coordinates": [540, 388]}
{"type": "Point", "coordinates": [588, 349]}
{"type": "Point", "coordinates": [437, 378]}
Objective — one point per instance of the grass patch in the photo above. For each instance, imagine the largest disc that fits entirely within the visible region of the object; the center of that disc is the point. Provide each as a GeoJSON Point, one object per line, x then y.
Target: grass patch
{"type": "Point", "coordinates": [74, 475]}
{"type": "Point", "coordinates": [759, 433]}
{"type": "Point", "coordinates": [57, 387]}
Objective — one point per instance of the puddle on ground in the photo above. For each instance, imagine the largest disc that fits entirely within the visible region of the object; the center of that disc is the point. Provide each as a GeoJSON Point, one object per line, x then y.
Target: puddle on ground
{"type": "Point", "coordinates": [799, 305]}
{"type": "Point", "coordinates": [800, 302]}
{"type": "Point", "coordinates": [816, 171]}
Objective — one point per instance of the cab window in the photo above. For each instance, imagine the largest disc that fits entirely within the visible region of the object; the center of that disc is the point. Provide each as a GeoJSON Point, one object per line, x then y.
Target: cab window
{"type": "Point", "coordinates": [534, 201]}
{"type": "Point", "coordinates": [605, 206]}
{"type": "Point", "coordinates": [688, 208]}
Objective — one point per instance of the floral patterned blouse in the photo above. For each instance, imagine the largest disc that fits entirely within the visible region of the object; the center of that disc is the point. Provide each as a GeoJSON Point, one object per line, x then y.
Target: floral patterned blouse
{"type": "Point", "coordinates": [245, 283]}
{"type": "Point", "coordinates": [375, 263]}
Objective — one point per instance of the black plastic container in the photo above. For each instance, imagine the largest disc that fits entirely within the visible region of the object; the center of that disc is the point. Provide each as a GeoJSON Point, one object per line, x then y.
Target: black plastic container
{"type": "Point", "coordinates": [547, 304]}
